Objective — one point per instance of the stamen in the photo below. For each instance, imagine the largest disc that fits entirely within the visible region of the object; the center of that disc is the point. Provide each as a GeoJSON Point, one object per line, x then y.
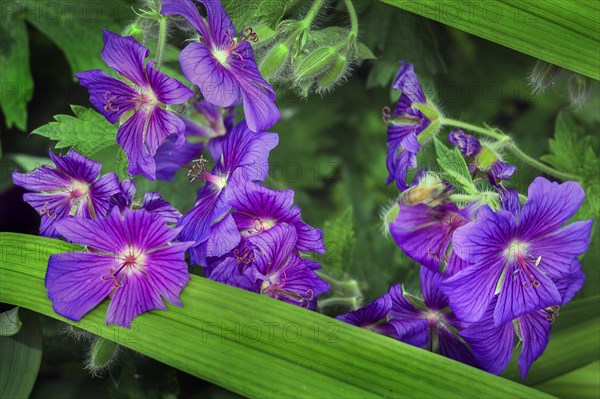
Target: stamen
{"type": "Point", "coordinates": [386, 114]}
{"type": "Point", "coordinates": [198, 170]}
{"type": "Point", "coordinates": [246, 257]}
{"type": "Point", "coordinates": [532, 281]}
{"type": "Point", "coordinates": [250, 34]}
{"type": "Point", "coordinates": [109, 105]}
{"type": "Point", "coordinates": [552, 313]}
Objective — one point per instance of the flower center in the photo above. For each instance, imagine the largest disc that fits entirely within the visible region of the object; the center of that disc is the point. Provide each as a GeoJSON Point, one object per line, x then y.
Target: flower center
{"type": "Point", "coordinates": [517, 254]}
{"type": "Point", "coordinates": [130, 260]}
{"type": "Point", "coordinates": [198, 171]}
{"type": "Point", "coordinates": [221, 55]}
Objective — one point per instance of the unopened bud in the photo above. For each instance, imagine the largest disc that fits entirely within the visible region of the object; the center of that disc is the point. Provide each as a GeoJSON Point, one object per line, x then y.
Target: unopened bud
{"type": "Point", "coordinates": [579, 88]}
{"type": "Point", "coordinates": [274, 60]}
{"type": "Point", "coordinates": [102, 355]}
{"type": "Point", "coordinates": [486, 158]}
{"type": "Point", "coordinates": [543, 76]}
{"type": "Point", "coordinates": [134, 30]}
{"type": "Point", "coordinates": [334, 74]}
{"type": "Point", "coordinates": [316, 62]}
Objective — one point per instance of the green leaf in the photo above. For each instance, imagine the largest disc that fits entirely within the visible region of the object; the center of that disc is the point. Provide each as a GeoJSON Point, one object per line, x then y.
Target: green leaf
{"type": "Point", "coordinates": [454, 167]}
{"type": "Point", "coordinates": [16, 89]}
{"type": "Point", "coordinates": [574, 342]}
{"type": "Point", "coordinates": [562, 32]}
{"type": "Point", "coordinates": [338, 236]}
{"type": "Point", "coordinates": [582, 383]}
{"type": "Point", "coordinates": [20, 357]}
{"type": "Point", "coordinates": [87, 132]}
{"type": "Point", "coordinates": [10, 324]}
{"type": "Point", "coordinates": [572, 151]}
{"type": "Point", "coordinates": [222, 334]}
{"type": "Point", "coordinates": [76, 27]}
{"type": "Point", "coordinates": [364, 53]}
{"type": "Point", "coordinates": [248, 13]}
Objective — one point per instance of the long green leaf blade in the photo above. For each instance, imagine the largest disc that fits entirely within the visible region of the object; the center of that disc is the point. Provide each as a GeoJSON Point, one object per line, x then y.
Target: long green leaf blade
{"type": "Point", "coordinates": [562, 32]}
{"type": "Point", "coordinates": [257, 346]}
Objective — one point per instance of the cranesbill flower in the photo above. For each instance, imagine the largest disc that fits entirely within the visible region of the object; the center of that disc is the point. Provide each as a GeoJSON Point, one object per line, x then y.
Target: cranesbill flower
{"type": "Point", "coordinates": [519, 257]}
{"type": "Point", "coordinates": [373, 317]}
{"type": "Point", "coordinates": [431, 324]}
{"type": "Point", "coordinates": [258, 208]}
{"type": "Point", "coordinates": [424, 233]}
{"type": "Point", "coordinates": [241, 156]}
{"type": "Point", "coordinates": [146, 93]}
{"type": "Point", "coordinates": [413, 116]}
{"type": "Point", "coordinates": [131, 259]}
{"type": "Point", "coordinates": [282, 274]}
{"type": "Point", "coordinates": [482, 159]}
{"type": "Point", "coordinates": [222, 66]}
{"type": "Point", "coordinates": [206, 122]}
{"type": "Point", "coordinates": [71, 188]}
{"type": "Point", "coordinates": [493, 346]}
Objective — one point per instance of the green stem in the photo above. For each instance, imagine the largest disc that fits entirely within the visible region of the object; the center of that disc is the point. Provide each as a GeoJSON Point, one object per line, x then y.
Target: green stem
{"type": "Point", "coordinates": [350, 302]}
{"type": "Point", "coordinates": [473, 128]}
{"type": "Point", "coordinates": [505, 139]}
{"type": "Point", "coordinates": [162, 40]}
{"type": "Point", "coordinates": [312, 13]}
{"type": "Point", "coordinates": [540, 166]}
{"type": "Point", "coordinates": [353, 20]}
{"type": "Point", "coordinates": [350, 284]}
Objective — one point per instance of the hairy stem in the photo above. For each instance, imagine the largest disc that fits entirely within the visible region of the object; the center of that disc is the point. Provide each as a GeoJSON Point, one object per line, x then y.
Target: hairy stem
{"type": "Point", "coordinates": [162, 40]}
{"type": "Point", "coordinates": [353, 20]}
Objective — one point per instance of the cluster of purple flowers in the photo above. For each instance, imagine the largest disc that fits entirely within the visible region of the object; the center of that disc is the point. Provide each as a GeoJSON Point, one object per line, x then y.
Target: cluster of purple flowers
{"type": "Point", "coordinates": [487, 275]}
{"type": "Point", "coordinates": [243, 233]}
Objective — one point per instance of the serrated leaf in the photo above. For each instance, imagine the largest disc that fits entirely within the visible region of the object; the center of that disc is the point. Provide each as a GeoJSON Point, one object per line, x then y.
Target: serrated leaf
{"type": "Point", "coordinates": [338, 236]}
{"type": "Point", "coordinates": [363, 52]}
{"type": "Point", "coordinates": [256, 346]}
{"type": "Point", "coordinates": [10, 324]}
{"type": "Point", "coordinates": [454, 168]}
{"type": "Point", "coordinates": [87, 132]}
{"type": "Point", "coordinates": [248, 13]}
{"type": "Point", "coordinates": [572, 151]}
{"type": "Point", "coordinates": [16, 89]}
{"type": "Point", "coordinates": [76, 26]}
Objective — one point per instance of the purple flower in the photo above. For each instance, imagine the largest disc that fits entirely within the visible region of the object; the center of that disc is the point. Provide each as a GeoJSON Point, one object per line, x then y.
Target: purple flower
{"type": "Point", "coordinates": [484, 159]}
{"type": "Point", "coordinates": [493, 345]}
{"type": "Point", "coordinates": [282, 274]}
{"type": "Point", "coordinates": [424, 233]}
{"type": "Point", "coordinates": [258, 208]}
{"type": "Point", "coordinates": [242, 156]}
{"type": "Point", "coordinates": [222, 66]}
{"type": "Point", "coordinates": [131, 259]}
{"type": "Point", "coordinates": [206, 123]}
{"type": "Point", "coordinates": [407, 122]}
{"type": "Point", "coordinates": [373, 317]}
{"type": "Point", "coordinates": [152, 202]}
{"type": "Point", "coordinates": [71, 188]}
{"type": "Point", "coordinates": [145, 92]}
{"type": "Point", "coordinates": [520, 257]}
{"type": "Point", "coordinates": [431, 324]}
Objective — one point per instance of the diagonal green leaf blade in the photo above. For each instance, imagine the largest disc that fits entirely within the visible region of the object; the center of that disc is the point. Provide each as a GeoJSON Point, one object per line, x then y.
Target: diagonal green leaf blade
{"type": "Point", "coordinates": [562, 32]}
{"type": "Point", "coordinates": [256, 346]}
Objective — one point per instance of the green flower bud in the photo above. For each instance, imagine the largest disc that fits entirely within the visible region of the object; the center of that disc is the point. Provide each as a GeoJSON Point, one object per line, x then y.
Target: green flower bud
{"type": "Point", "coordinates": [134, 30]}
{"type": "Point", "coordinates": [264, 33]}
{"type": "Point", "coordinates": [543, 76]}
{"type": "Point", "coordinates": [334, 74]}
{"type": "Point", "coordinates": [579, 88]}
{"type": "Point", "coordinates": [274, 60]}
{"type": "Point", "coordinates": [101, 356]}
{"type": "Point", "coordinates": [486, 158]}
{"type": "Point", "coordinates": [316, 62]}
{"type": "Point", "coordinates": [388, 215]}
{"type": "Point", "coordinates": [431, 113]}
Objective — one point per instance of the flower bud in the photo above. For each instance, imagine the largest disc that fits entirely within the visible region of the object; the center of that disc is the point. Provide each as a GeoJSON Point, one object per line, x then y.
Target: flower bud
{"type": "Point", "coordinates": [274, 60]}
{"type": "Point", "coordinates": [486, 158]}
{"type": "Point", "coordinates": [579, 88]}
{"type": "Point", "coordinates": [134, 30]}
{"type": "Point", "coordinates": [316, 62]}
{"type": "Point", "coordinates": [334, 74]}
{"type": "Point", "coordinates": [543, 76]}
{"type": "Point", "coordinates": [101, 356]}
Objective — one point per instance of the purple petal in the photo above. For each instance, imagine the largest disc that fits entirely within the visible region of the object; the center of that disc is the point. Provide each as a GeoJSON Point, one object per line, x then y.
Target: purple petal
{"type": "Point", "coordinates": [492, 346]}
{"type": "Point", "coordinates": [471, 290]}
{"type": "Point", "coordinates": [370, 314]}
{"type": "Point", "coordinates": [126, 56]}
{"type": "Point", "coordinates": [558, 250]}
{"type": "Point", "coordinates": [105, 235]}
{"type": "Point", "coordinates": [220, 26]}
{"type": "Point", "coordinates": [509, 199]}
{"type": "Point", "coordinates": [197, 221]}
{"type": "Point", "coordinates": [549, 206]}
{"type": "Point", "coordinates": [124, 198]}
{"type": "Point", "coordinates": [217, 84]}
{"type": "Point", "coordinates": [167, 89]}
{"type": "Point", "coordinates": [169, 158]}
{"type": "Point", "coordinates": [408, 83]}
{"type": "Point", "coordinates": [276, 244]}
{"type": "Point", "coordinates": [153, 202]}
{"type": "Point", "coordinates": [77, 166]}
{"type": "Point", "coordinates": [534, 330]}
{"type": "Point", "coordinates": [110, 96]}
{"type": "Point", "coordinates": [402, 309]}
{"type": "Point", "coordinates": [228, 272]}
{"type": "Point", "coordinates": [466, 143]}
{"type": "Point", "coordinates": [433, 296]}
{"type": "Point", "coordinates": [101, 192]}
{"type": "Point", "coordinates": [450, 346]}
{"type": "Point", "coordinates": [75, 282]}
{"type": "Point", "coordinates": [502, 171]}
{"type": "Point", "coordinates": [224, 237]}
{"type": "Point", "coordinates": [131, 137]}
{"type": "Point", "coordinates": [188, 10]}
{"type": "Point", "coordinates": [571, 283]}
{"type": "Point", "coordinates": [44, 178]}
